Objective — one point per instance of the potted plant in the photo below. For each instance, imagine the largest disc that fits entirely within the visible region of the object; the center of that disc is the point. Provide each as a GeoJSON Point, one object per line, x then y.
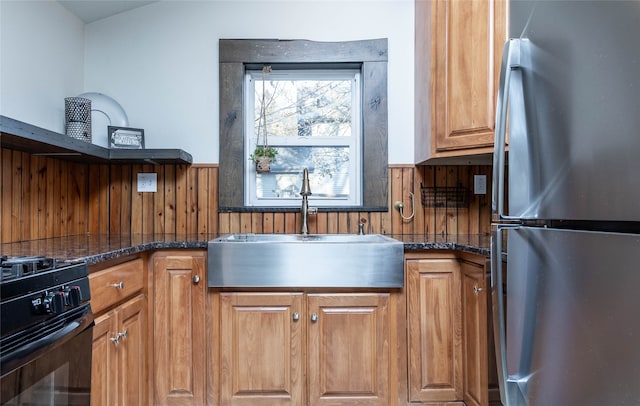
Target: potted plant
{"type": "Point", "coordinates": [263, 154]}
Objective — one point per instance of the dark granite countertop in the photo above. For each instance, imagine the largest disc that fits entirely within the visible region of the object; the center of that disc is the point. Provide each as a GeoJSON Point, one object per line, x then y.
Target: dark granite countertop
{"type": "Point", "coordinates": [98, 248]}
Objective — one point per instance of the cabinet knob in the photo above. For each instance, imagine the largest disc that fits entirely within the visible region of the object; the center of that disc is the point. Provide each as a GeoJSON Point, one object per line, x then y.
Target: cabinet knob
{"type": "Point", "coordinates": [119, 285]}
{"type": "Point", "coordinates": [476, 289]}
{"type": "Point", "coordinates": [196, 279]}
{"type": "Point", "coordinates": [116, 339]}
{"type": "Point", "coordinates": [296, 316]}
{"type": "Point", "coordinates": [314, 317]}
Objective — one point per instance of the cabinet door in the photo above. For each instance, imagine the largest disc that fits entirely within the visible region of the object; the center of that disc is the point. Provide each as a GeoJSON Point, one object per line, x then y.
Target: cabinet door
{"type": "Point", "coordinates": [261, 349]}
{"type": "Point", "coordinates": [132, 377]}
{"type": "Point", "coordinates": [434, 330]}
{"type": "Point", "coordinates": [468, 41]}
{"type": "Point", "coordinates": [104, 366]}
{"type": "Point", "coordinates": [474, 308]}
{"type": "Point", "coordinates": [179, 328]}
{"type": "Point", "coordinates": [348, 341]}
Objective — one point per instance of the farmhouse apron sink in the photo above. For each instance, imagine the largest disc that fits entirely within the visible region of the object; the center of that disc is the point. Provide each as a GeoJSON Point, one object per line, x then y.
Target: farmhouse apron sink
{"type": "Point", "coordinates": [296, 260]}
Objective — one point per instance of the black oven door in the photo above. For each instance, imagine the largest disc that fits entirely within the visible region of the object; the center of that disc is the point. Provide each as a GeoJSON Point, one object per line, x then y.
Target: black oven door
{"type": "Point", "coordinates": [51, 363]}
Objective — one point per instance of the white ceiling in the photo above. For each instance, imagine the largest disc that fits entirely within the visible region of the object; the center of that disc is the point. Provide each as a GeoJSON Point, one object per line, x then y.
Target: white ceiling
{"type": "Point", "coordinates": [93, 10]}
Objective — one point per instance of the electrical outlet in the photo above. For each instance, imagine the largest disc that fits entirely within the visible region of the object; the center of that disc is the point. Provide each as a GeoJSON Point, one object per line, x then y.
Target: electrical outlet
{"type": "Point", "coordinates": [147, 182]}
{"type": "Point", "coordinates": [480, 184]}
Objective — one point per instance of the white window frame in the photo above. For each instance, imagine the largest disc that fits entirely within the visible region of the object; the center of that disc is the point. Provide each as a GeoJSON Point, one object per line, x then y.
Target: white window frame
{"type": "Point", "coordinates": [353, 142]}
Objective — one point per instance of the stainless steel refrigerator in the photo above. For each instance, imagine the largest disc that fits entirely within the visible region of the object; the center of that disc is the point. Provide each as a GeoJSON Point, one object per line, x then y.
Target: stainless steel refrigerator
{"type": "Point", "coordinates": [567, 308]}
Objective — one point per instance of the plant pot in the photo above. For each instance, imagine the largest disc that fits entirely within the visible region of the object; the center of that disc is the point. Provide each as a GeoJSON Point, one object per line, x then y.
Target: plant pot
{"type": "Point", "coordinates": [263, 164]}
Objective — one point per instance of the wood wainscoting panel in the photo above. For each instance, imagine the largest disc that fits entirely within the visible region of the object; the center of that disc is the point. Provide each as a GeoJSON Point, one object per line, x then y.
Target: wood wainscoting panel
{"type": "Point", "coordinates": [45, 197]}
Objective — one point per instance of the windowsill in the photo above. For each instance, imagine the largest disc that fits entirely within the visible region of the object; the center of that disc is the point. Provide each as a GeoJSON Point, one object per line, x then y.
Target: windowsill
{"type": "Point", "coordinates": [252, 209]}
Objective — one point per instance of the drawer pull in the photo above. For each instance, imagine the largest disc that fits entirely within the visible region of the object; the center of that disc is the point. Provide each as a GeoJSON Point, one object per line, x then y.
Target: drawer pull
{"type": "Point", "coordinates": [196, 279]}
{"type": "Point", "coordinates": [119, 285]}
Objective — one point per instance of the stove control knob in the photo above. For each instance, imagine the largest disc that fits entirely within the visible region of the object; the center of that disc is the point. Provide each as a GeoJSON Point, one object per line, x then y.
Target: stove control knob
{"type": "Point", "coordinates": [73, 295]}
{"type": "Point", "coordinates": [53, 302]}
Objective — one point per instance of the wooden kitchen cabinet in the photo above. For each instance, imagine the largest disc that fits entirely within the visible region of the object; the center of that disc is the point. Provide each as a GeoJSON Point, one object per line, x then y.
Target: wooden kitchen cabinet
{"type": "Point", "coordinates": [474, 311]}
{"type": "Point", "coordinates": [179, 289]}
{"type": "Point", "coordinates": [434, 330]}
{"type": "Point", "coordinates": [261, 348]}
{"type": "Point", "coordinates": [283, 348]}
{"type": "Point", "coordinates": [458, 51]}
{"type": "Point", "coordinates": [119, 372]}
{"type": "Point", "coordinates": [348, 345]}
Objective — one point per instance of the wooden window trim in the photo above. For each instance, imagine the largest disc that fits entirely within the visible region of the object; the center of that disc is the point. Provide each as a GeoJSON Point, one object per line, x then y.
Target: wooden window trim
{"type": "Point", "coordinates": [235, 54]}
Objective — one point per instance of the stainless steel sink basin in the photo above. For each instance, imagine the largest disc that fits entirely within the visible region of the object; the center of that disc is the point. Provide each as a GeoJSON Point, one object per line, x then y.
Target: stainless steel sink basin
{"type": "Point", "coordinates": [296, 260]}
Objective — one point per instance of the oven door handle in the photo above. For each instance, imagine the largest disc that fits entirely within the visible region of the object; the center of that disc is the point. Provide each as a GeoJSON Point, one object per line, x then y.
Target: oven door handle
{"type": "Point", "coordinates": [49, 338]}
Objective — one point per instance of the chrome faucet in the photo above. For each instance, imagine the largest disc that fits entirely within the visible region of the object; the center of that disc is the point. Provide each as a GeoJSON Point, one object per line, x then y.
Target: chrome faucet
{"type": "Point", "coordinates": [305, 191]}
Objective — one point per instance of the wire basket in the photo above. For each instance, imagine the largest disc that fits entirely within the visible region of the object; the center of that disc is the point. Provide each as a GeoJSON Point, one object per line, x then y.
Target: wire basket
{"type": "Point", "coordinates": [445, 196]}
{"type": "Point", "coordinates": [77, 114]}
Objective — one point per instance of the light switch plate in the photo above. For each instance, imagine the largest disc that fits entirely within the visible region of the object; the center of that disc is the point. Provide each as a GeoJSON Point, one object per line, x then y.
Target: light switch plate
{"type": "Point", "coordinates": [147, 182]}
{"type": "Point", "coordinates": [480, 184]}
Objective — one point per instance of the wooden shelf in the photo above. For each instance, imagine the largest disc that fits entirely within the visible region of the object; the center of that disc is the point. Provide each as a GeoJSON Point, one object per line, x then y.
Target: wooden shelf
{"type": "Point", "coordinates": [39, 141]}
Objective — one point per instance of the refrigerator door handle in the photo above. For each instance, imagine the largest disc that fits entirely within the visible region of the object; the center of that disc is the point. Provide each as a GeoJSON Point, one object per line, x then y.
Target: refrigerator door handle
{"type": "Point", "coordinates": [498, 310]}
{"type": "Point", "coordinates": [510, 61]}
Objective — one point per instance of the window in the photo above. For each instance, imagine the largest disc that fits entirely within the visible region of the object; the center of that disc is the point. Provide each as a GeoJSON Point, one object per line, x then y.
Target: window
{"type": "Point", "coordinates": [305, 138]}
{"type": "Point", "coordinates": [312, 118]}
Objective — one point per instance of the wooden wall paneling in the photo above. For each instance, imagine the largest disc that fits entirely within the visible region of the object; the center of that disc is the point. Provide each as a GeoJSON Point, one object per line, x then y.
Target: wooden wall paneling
{"type": "Point", "coordinates": [93, 213]}
{"type": "Point", "coordinates": [192, 200]}
{"type": "Point", "coordinates": [16, 204]}
{"type": "Point", "coordinates": [234, 222]}
{"type": "Point", "coordinates": [5, 195]}
{"type": "Point", "coordinates": [290, 223]}
{"type": "Point", "coordinates": [158, 199]}
{"type": "Point", "coordinates": [168, 188]}
{"type": "Point", "coordinates": [267, 223]}
{"type": "Point", "coordinates": [103, 220]}
{"type": "Point", "coordinates": [396, 195]}
{"type": "Point", "coordinates": [278, 223]}
{"type": "Point", "coordinates": [125, 199]}
{"type": "Point", "coordinates": [83, 217]}
{"type": "Point", "coordinates": [212, 209]}
{"type": "Point", "coordinates": [452, 209]}
{"type": "Point", "coordinates": [182, 200]}
{"type": "Point", "coordinates": [202, 202]}
{"type": "Point", "coordinates": [61, 182]}
{"type": "Point", "coordinates": [332, 223]}
{"type": "Point", "coordinates": [474, 204]}
{"type": "Point", "coordinates": [440, 213]}
{"type": "Point", "coordinates": [418, 217]}
{"type": "Point", "coordinates": [321, 222]}
{"type": "Point", "coordinates": [343, 226]}
{"type": "Point", "coordinates": [137, 202]}
{"type": "Point", "coordinates": [39, 196]}
{"type": "Point", "coordinates": [484, 218]}
{"type": "Point", "coordinates": [463, 214]}
{"type": "Point", "coordinates": [407, 187]}
{"type": "Point", "coordinates": [428, 181]}
{"type": "Point", "coordinates": [52, 215]}
{"type": "Point", "coordinates": [115, 189]}
{"type": "Point", "coordinates": [245, 223]}
{"type": "Point", "coordinates": [353, 222]}
{"type": "Point", "coordinates": [224, 220]}
{"type": "Point", "coordinates": [27, 214]}
{"type": "Point", "coordinates": [148, 212]}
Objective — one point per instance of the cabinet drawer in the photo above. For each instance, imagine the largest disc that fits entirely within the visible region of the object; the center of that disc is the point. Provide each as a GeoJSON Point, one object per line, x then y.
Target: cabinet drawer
{"type": "Point", "coordinates": [114, 284]}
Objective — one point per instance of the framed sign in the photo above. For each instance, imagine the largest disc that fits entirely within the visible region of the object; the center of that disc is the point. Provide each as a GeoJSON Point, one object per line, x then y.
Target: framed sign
{"type": "Point", "coordinates": [125, 137]}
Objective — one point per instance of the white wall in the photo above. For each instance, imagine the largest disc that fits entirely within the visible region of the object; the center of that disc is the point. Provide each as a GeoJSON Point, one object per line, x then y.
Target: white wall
{"type": "Point", "coordinates": [160, 61]}
{"type": "Point", "coordinates": [41, 61]}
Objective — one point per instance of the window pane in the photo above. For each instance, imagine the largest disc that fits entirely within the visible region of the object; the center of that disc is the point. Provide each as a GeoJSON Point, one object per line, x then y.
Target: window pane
{"type": "Point", "coordinates": [306, 108]}
{"type": "Point", "coordinates": [328, 173]}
